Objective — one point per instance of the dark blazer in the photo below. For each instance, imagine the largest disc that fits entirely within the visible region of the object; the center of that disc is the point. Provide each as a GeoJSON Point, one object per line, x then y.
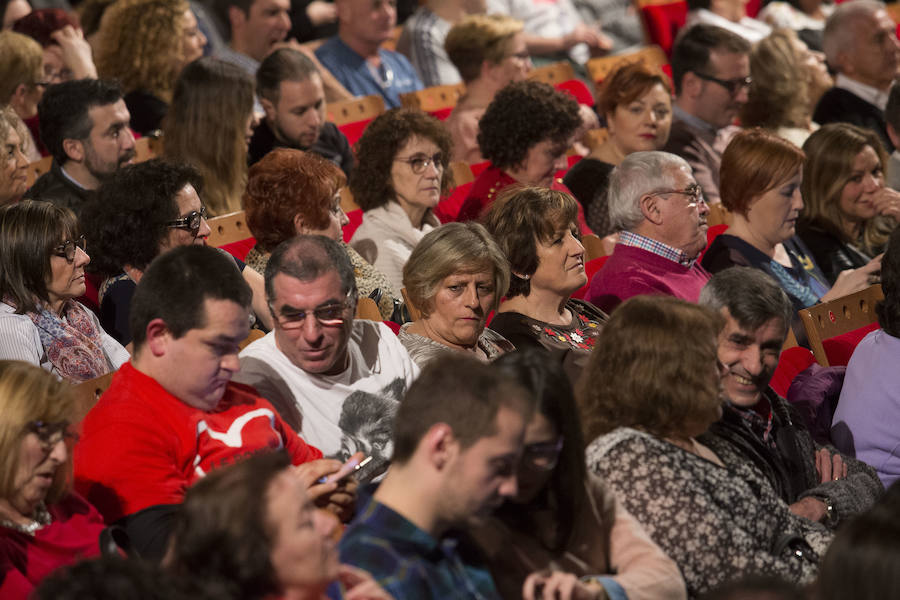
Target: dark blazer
{"type": "Point", "coordinates": [840, 106]}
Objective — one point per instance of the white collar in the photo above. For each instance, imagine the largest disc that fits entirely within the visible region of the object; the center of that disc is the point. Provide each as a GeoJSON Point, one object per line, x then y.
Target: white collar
{"type": "Point", "coordinates": [868, 93]}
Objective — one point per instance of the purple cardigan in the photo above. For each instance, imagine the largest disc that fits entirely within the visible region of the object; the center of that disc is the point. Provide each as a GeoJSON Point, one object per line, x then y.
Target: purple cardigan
{"type": "Point", "coordinates": [632, 271]}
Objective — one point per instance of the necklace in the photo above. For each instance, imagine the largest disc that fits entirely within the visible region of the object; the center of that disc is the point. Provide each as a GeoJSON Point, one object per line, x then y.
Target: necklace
{"type": "Point", "coordinates": [42, 518]}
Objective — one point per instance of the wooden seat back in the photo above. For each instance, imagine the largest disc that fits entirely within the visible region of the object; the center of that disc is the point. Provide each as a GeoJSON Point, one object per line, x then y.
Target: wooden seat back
{"type": "Point", "coordinates": [600, 68]}
{"type": "Point", "coordinates": [718, 215]}
{"type": "Point", "coordinates": [87, 393]}
{"type": "Point", "coordinates": [435, 98]}
{"type": "Point", "coordinates": [228, 228]}
{"type": "Point", "coordinates": [414, 313]}
{"type": "Point", "coordinates": [366, 308]}
{"type": "Point", "coordinates": [355, 109]}
{"type": "Point", "coordinates": [840, 316]}
{"type": "Point", "coordinates": [553, 74]}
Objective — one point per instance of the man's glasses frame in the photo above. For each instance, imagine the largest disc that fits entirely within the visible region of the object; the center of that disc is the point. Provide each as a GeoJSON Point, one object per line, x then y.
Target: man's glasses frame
{"type": "Point", "coordinates": [694, 191]}
{"type": "Point", "coordinates": [190, 222]}
{"type": "Point", "coordinates": [330, 315]}
{"type": "Point", "coordinates": [732, 85]}
{"type": "Point", "coordinates": [67, 250]}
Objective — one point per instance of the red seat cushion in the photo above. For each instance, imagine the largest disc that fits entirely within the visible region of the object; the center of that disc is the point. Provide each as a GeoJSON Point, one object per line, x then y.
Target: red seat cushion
{"type": "Point", "coordinates": [353, 131]}
{"type": "Point", "coordinates": [840, 348]}
{"type": "Point", "coordinates": [240, 248]}
{"type": "Point", "coordinates": [663, 22]}
{"type": "Point", "coordinates": [442, 114]}
{"type": "Point", "coordinates": [350, 228]}
{"type": "Point", "coordinates": [577, 89]}
{"type": "Point", "coordinates": [792, 362]}
{"type": "Point", "coordinates": [448, 208]}
{"type": "Point", "coordinates": [590, 268]}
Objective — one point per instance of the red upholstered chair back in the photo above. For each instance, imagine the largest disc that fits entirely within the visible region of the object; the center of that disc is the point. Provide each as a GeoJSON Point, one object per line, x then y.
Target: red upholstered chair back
{"type": "Point", "coordinates": [590, 268]}
{"type": "Point", "coordinates": [662, 19]}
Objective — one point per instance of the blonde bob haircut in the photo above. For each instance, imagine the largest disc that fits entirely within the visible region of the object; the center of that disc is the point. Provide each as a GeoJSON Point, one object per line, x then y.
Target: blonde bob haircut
{"type": "Point", "coordinates": [140, 45]}
{"type": "Point", "coordinates": [450, 249]}
{"type": "Point", "coordinates": [830, 153]}
{"type": "Point", "coordinates": [22, 63]}
{"type": "Point", "coordinates": [479, 38]}
{"type": "Point", "coordinates": [655, 370]}
{"type": "Point", "coordinates": [779, 95]}
{"type": "Point", "coordinates": [29, 393]}
{"type": "Point", "coordinates": [10, 121]}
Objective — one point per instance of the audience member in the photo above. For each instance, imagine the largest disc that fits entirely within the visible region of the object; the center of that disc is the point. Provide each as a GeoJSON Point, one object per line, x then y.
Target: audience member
{"type": "Point", "coordinates": [334, 379]}
{"type": "Point", "coordinates": [650, 392]}
{"type": "Point", "coordinates": [67, 55]}
{"type": "Point", "coordinates": [817, 482]}
{"type": "Point", "coordinates": [711, 71]}
{"type": "Point", "coordinates": [892, 123]}
{"type": "Point", "coordinates": [172, 414]}
{"type": "Point", "coordinates": [621, 22]}
{"type": "Point", "coordinates": [849, 212]}
{"type": "Point", "coordinates": [536, 229]}
{"type": "Point", "coordinates": [209, 126]}
{"type": "Point", "coordinates": [11, 11]}
{"type": "Point", "coordinates": [455, 277]}
{"type": "Point", "coordinates": [290, 91]}
{"type": "Point", "coordinates": [863, 560]}
{"type": "Point", "coordinates": [84, 125]}
{"type": "Point", "coordinates": [554, 30]}
{"type": "Point", "coordinates": [636, 102]}
{"type": "Point", "coordinates": [290, 192]}
{"type": "Point", "coordinates": [114, 578]}
{"type": "Point", "coordinates": [806, 18]}
{"type": "Point", "coordinates": [250, 532]}
{"type": "Point", "coordinates": [144, 44]}
{"type": "Point", "coordinates": [525, 133]}
{"type": "Point", "coordinates": [13, 162]}
{"type": "Point", "coordinates": [42, 524]}
{"type": "Point", "coordinates": [254, 28]}
{"type": "Point", "coordinates": [727, 15]}
{"type": "Point", "coordinates": [489, 52]}
{"type": "Point", "coordinates": [403, 170]}
{"type": "Point", "coordinates": [355, 56]}
{"type": "Point", "coordinates": [861, 47]}
{"type": "Point", "coordinates": [788, 80]}
{"type": "Point", "coordinates": [564, 529]}
{"type": "Point", "coordinates": [862, 425]}
{"type": "Point", "coordinates": [659, 211]}
{"type": "Point", "coordinates": [457, 440]}
{"type": "Point", "coordinates": [129, 231]}
{"type": "Point", "coordinates": [422, 39]}
{"type": "Point", "coordinates": [761, 187]}
{"type": "Point", "coordinates": [42, 260]}
{"type": "Point", "coordinates": [21, 78]}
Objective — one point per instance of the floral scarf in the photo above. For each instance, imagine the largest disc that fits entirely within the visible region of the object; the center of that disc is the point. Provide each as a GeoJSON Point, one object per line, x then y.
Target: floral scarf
{"type": "Point", "coordinates": [73, 343]}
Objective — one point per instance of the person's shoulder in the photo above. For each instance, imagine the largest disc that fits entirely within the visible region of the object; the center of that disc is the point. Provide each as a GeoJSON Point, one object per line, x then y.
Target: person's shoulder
{"type": "Point", "coordinates": [333, 50]}
{"type": "Point", "coordinates": [622, 440]}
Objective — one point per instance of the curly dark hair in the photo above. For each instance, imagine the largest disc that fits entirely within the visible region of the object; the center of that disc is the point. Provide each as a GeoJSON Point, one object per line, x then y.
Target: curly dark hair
{"type": "Point", "coordinates": [521, 115]}
{"type": "Point", "coordinates": [126, 221]}
{"type": "Point", "coordinates": [283, 184]}
{"type": "Point", "coordinates": [370, 180]}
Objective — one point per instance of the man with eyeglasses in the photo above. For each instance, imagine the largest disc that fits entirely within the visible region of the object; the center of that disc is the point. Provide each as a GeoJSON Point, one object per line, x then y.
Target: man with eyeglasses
{"type": "Point", "coordinates": [172, 413]}
{"type": "Point", "coordinates": [711, 71]}
{"type": "Point", "coordinates": [659, 211]}
{"type": "Point", "coordinates": [355, 56]}
{"type": "Point", "coordinates": [860, 44]}
{"type": "Point", "coordinates": [336, 380]}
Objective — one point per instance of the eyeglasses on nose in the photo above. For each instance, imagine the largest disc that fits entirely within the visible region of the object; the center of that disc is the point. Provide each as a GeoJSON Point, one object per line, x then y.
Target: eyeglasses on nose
{"type": "Point", "coordinates": [732, 85]}
{"type": "Point", "coordinates": [419, 162]}
{"type": "Point", "coordinates": [190, 222]}
{"type": "Point", "coordinates": [50, 434]}
{"type": "Point", "coordinates": [542, 456]}
{"type": "Point", "coordinates": [329, 315]}
{"type": "Point", "coordinates": [67, 248]}
{"type": "Point", "coordinates": [694, 191]}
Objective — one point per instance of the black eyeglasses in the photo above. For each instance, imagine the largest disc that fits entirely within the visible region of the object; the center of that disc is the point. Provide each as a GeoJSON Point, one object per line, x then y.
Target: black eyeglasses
{"type": "Point", "coordinates": [419, 162]}
{"type": "Point", "coordinates": [50, 434]}
{"type": "Point", "coordinates": [190, 222]}
{"type": "Point", "coordinates": [732, 85]}
{"type": "Point", "coordinates": [542, 456]}
{"type": "Point", "coordinates": [694, 191]}
{"type": "Point", "coordinates": [330, 315]}
{"type": "Point", "coordinates": [67, 248]}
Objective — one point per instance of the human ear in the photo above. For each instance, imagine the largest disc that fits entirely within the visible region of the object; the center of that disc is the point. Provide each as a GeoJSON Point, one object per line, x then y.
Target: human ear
{"type": "Point", "coordinates": [158, 337]}
{"type": "Point", "coordinates": [440, 445]}
{"type": "Point", "coordinates": [650, 208]}
{"type": "Point", "coordinates": [73, 149]}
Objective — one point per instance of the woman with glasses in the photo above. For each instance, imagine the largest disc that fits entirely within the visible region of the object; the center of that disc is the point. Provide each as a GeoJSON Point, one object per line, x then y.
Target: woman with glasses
{"type": "Point", "coordinates": [129, 230]}
{"type": "Point", "coordinates": [42, 260]}
{"type": "Point", "coordinates": [455, 277]}
{"type": "Point", "coordinates": [536, 229]}
{"type": "Point", "coordinates": [43, 525]}
{"type": "Point", "coordinates": [564, 528]}
{"type": "Point", "coordinates": [402, 172]}
{"type": "Point", "coordinates": [649, 395]}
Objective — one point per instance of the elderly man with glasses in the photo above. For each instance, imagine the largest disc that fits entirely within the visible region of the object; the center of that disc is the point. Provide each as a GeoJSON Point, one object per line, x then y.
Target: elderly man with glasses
{"type": "Point", "coordinates": [711, 72]}
{"type": "Point", "coordinates": [660, 213]}
{"type": "Point", "coordinates": [337, 381]}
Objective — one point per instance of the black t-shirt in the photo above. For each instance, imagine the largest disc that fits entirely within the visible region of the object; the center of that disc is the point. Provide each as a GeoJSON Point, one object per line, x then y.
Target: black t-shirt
{"type": "Point", "coordinates": [331, 145]}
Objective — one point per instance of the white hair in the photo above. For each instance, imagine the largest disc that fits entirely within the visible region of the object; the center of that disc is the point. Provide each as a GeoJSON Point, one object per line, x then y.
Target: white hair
{"type": "Point", "coordinates": [640, 173]}
{"type": "Point", "coordinates": [840, 27]}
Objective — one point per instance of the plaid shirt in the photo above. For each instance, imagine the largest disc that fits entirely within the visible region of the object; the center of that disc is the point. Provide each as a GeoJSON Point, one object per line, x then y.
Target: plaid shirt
{"type": "Point", "coordinates": [629, 238]}
{"type": "Point", "coordinates": [410, 563]}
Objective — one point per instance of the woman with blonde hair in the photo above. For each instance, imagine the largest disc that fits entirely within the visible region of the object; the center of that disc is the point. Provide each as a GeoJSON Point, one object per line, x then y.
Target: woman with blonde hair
{"type": "Point", "coordinates": [209, 126]}
{"type": "Point", "coordinates": [43, 525]}
{"type": "Point", "coordinates": [788, 80]}
{"type": "Point", "coordinates": [145, 44]}
{"type": "Point", "coordinates": [13, 162]}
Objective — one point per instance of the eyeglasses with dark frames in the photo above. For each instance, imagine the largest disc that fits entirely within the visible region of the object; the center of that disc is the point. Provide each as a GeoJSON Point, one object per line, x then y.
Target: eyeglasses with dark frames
{"type": "Point", "coordinates": [732, 85]}
{"type": "Point", "coordinates": [329, 315]}
{"type": "Point", "coordinates": [66, 250]}
{"type": "Point", "coordinates": [51, 434]}
{"type": "Point", "coordinates": [190, 222]}
{"type": "Point", "coordinates": [542, 456]}
{"type": "Point", "coordinates": [694, 191]}
{"type": "Point", "coordinates": [419, 162]}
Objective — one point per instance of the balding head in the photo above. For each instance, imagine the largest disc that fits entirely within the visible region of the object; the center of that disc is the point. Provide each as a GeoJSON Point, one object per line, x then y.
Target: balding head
{"type": "Point", "coordinates": [860, 42]}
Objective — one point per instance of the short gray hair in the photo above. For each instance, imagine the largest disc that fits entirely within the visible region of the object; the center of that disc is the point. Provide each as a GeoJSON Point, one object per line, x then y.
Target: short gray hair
{"type": "Point", "coordinates": [751, 296]}
{"type": "Point", "coordinates": [639, 174]}
{"type": "Point", "coordinates": [839, 26]}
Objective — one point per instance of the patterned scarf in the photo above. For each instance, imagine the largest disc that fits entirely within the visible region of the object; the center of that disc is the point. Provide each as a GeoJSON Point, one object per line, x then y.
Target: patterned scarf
{"type": "Point", "coordinates": [73, 343]}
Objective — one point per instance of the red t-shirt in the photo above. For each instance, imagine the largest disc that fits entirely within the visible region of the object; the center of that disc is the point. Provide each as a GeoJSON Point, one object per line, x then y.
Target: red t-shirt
{"type": "Point", "coordinates": [73, 534]}
{"type": "Point", "coordinates": [140, 446]}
